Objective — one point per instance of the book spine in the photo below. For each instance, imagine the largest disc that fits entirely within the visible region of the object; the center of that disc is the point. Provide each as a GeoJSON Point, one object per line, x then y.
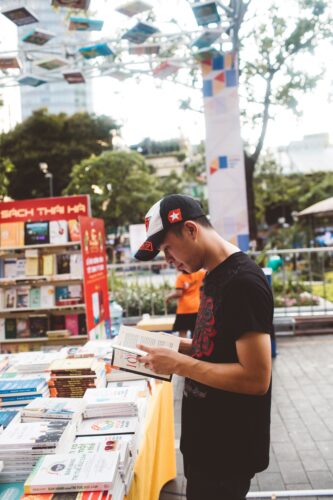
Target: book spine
{"type": "Point", "coordinates": [18, 390]}
{"type": "Point", "coordinates": [20, 398]}
{"type": "Point", "coordinates": [62, 488]}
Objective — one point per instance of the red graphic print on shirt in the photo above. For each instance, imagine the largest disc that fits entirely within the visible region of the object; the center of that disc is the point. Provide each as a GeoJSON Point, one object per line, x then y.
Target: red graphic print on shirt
{"type": "Point", "coordinates": [205, 331]}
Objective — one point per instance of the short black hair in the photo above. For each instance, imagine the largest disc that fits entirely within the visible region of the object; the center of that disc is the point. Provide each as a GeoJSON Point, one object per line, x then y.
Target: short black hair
{"type": "Point", "coordinates": [177, 229]}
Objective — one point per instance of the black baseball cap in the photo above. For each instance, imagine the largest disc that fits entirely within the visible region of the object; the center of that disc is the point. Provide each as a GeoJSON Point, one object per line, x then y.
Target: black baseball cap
{"type": "Point", "coordinates": [167, 212]}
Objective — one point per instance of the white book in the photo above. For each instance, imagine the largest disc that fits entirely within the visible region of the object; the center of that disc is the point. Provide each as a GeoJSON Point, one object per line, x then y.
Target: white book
{"type": "Point", "coordinates": [125, 352]}
{"type": "Point", "coordinates": [58, 231]}
{"type": "Point", "coordinates": [108, 426]}
{"type": "Point", "coordinates": [73, 472]}
{"type": "Point", "coordinates": [32, 435]}
{"type": "Point", "coordinates": [54, 408]}
{"type": "Point", "coordinates": [47, 298]}
{"type": "Point", "coordinates": [75, 265]}
{"type": "Point", "coordinates": [99, 398]}
{"type": "Point", "coordinates": [102, 444]}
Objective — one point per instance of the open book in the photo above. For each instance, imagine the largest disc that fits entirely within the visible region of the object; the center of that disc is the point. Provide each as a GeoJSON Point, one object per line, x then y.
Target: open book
{"type": "Point", "coordinates": [125, 353]}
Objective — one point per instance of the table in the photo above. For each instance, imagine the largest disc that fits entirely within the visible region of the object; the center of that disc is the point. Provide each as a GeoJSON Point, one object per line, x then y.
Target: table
{"type": "Point", "coordinates": [156, 461]}
{"type": "Point", "coordinates": [157, 323]}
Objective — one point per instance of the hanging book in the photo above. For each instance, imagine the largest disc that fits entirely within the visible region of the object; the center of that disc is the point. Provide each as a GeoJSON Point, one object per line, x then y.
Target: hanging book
{"type": "Point", "coordinates": [10, 63]}
{"type": "Point", "coordinates": [38, 37]}
{"type": "Point", "coordinates": [206, 39]}
{"type": "Point", "coordinates": [31, 80]}
{"type": "Point", "coordinates": [84, 24]}
{"type": "Point", "coordinates": [21, 16]}
{"type": "Point", "coordinates": [148, 49]}
{"type": "Point", "coordinates": [131, 9]}
{"type": "Point", "coordinates": [206, 54]}
{"type": "Point", "coordinates": [74, 77]}
{"type": "Point", "coordinates": [52, 63]}
{"type": "Point", "coordinates": [165, 69]}
{"type": "Point", "coordinates": [100, 49]}
{"type": "Point", "coordinates": [140, 33]}
{"type": "Point", "coordinates": [72, 4]}
{"type": "Point", "coordinates": [206, 13]}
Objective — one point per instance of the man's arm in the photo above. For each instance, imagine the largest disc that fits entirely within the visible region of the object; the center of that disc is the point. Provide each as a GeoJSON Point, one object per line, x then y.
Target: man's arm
{"type": "Point", "coordinates": [251, 375]}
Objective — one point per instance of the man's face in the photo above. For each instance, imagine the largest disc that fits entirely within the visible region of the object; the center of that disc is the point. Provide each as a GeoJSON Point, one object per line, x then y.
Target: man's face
{"type": "Point", "coordinates": [179, 250]}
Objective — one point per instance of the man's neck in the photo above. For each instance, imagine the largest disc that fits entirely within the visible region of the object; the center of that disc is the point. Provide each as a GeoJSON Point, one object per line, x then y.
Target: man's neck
{"type": "Point", "coordinates": [217, 250]}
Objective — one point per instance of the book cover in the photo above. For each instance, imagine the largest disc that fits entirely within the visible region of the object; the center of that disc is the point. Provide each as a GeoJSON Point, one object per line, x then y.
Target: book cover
{"type": "Point", "coordinates": [48, 264]}
{"type": "Point", "coordinates": [74, 230]}
{"type": "Point", "coordinates": [58, 231]}
{"type": "Point", "coordinates": [9, 491]}
{"type": "Point", "coordinates": [165, 69]}
{"type": "Point", "coordinates": [133, 8]}
{"type": "Point", "coordinates": [75, 265]}
{"type": "Point", "coordinates": [85, 24]}
{"type": "Point", "coordinates": [2, 329]}
{"type": "Point", "coordinates": [61, 295]}
{"type": "Point", "coordinates": [63, 263]}
{"type": "Point", "coordinates": [70, 472]}
{"type": "Point", "coordinates": [12, 234]}
{"type": "Point", "coordinates": [22, 296]}
{"type": "Point", "coordinates": [20, 268]}
{"type": "Point", "coordinates": [92, 51]}
{"type": "Point", "coordinates": [2, 270]}
{"type": "Point", "coordinates": [72, 323]}
{"type": "Point", "coordinates": [82, 324]}
{"type": "Point", "coordinates": [107, 426]}
{"type": "Point", "coordinates": [22, 326]}
{"type": "Point", "coordinates": [47, 298]}
{"type": "Point", "coordinates": [140, 33]}
{"type": "Point", "coordinates": [73, 77]}
{"type": "Point", "coordinates": [75, 293]}
{"type": "Point", "coordinates": [32, 266]}
{"type": "Point", "coordinates": [62, 408]}
{"type": "Point", "coordinates": [10, 328]}
{"type": "Point", "coordinates": [72, 4]}
{"type": "Point", "coordinates": [10, 298]}
{"type": "Point", "coordinates": [36, 233]}
{"type": "Point", "coordinates": [10, 63]}
{"type": "Point", "coordinates": [52, 63]}
{"type": "Point", "coordinates": [57, 322]}
{"type": "Point", "coordinates": [6, 416]}
{"type": "Point", "coordinates": [147, 49]}
{"type": "Point", "coordinates": [38, 326]}
{"type": "Point", "coordinates": [31, 81]}
{"type": "Point", "coordinates": [41, 434]}
{"type": "Point", "coordinates": [206, 13]}
{"type": "Point", "coordinates": [34, 297]}
{"type": "Point", "coordinates": [21, 16]}
{"type": "Point", "coordinates": [207, 38]}
{"type": "Point", "coordinates": [8, 387]}
{"type": "Point", "coordinates": [38, 37]}
{"type": "Point", "coordinates": [9, 268]}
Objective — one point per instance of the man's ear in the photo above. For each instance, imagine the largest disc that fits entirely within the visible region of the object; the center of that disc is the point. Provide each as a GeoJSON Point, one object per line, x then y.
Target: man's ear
{"type": "Point", "coordinates": [191, 229]}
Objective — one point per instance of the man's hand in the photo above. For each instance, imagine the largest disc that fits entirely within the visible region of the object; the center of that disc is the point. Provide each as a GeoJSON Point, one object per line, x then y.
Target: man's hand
{"type": "Point", "coordinates": [160, 359]}
{"type": "Point", "coordinates": [185, 346]}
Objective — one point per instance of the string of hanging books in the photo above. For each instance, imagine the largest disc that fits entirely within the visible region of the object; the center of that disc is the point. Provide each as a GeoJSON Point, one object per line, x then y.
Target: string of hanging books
{"type": "Point", "coordinates": [140, 47]}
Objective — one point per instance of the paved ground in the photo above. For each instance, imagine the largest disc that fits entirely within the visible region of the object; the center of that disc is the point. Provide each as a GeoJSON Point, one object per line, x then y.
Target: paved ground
{"type": "Point", "coordinates": [301, 455]}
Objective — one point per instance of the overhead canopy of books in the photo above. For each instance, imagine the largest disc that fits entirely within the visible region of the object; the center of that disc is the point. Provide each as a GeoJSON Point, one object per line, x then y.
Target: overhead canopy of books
{"type": "Point", "coordinates": [123, 39]}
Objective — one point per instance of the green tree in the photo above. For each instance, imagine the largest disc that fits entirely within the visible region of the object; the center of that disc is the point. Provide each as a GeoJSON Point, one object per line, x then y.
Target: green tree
{"type": "Point", "coordinates": [5, 168]}
{"type": "Point", "coordinates": [120, 184]}
{"type": "Point", "coordinates": [58, 140]}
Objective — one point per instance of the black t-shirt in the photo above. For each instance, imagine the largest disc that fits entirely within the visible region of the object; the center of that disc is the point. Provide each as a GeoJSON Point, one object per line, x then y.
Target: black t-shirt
{"type": "Point", "coordinates": [225, 433]}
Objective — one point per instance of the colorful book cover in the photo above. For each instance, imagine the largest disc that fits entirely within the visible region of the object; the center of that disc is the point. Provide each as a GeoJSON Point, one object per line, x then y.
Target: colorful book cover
{"type": "Point", "coordinates": [9, 491]}
{"type": "Point", "coordinates": [6, 417]}
{"type": "Point", "coordinates": [74, 77]}
{"type": "Point", "coordinates": [38, 37]}
{"type": "Point", "coordinates": [34, 297]}
{"type": "Point", "coordinates": [206, 13]}
{"type": "Point", "coordinates": [10, 328]}
{"type": "Point", "coordinates": [31, 80]}
{"type": "Point", "coordinates": [61, 295]}
{"type": "Point", "coordinates": [52, 63]}
{"type": "Point", "coordinates": [12, 234]}
{"type": "Point", "coordinates": [38, 326]}
{"type": "Point", "coordinates": [133, 8]}
{"type": "Point", "coordinates": [75, 292]}
{"type": "Point", "coordinates": [21, 16]}
{"type": "Point", "coordinates": [22, 328]}
{"type": "Point", "coordinates": [140, 33]}
{"type": "Point", "coordinates": [63, 263]}
{"type": "Point", "coordinates": [165, 69]}
{"type": "Point", "coordinates": [10, 63]}
{"type": "Point", "coordinates": [47, 296]}
{"type": "Point", "coordinates": [72, 4]}
{"type": "Point", "coordinates": [207, 38]}
{"type": "Point", "coordinates": [103, 426]}
{"type": "Point", "coordinates": [147, 49]}
{"type": "Point", "coordinates": [10, 298]}
{"type": "Point", "coordinates": [85, 24]}
{"type": "Point", "coordinates": [100, 49]}
{"type": "Point", "coordinates": [72, 323]}
{"type": "Point", "coordinates": [36, 233]}
{"type": "Point", "coordinates": [22, 296]}
{"type": "Point", "coordinates": [58, 231]}
{"type": "Point", "coordinates": [74, 230]}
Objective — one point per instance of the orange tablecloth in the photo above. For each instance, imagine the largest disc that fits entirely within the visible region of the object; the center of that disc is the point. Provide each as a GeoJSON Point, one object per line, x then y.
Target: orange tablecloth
{"type": "Point", "coordinates": [156, 462]}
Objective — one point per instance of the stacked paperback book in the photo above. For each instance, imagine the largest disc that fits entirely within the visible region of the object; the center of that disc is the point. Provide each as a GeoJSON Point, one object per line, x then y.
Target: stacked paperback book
{"type": "Point", "coordinates": [71, 377]}
{"type": "Point", "coordinates": [111, 402]}
{"type": "Point", "coordinates": [21, 444]}
{"type": "Point", "coordinates": [16, 393]}
{"type": "Point", "coordinates": [63, 409]}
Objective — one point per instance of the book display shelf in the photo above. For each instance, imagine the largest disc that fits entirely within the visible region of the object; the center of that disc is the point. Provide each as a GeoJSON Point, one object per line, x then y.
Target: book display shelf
{"type": "Point", "coordinates": [41, 281]}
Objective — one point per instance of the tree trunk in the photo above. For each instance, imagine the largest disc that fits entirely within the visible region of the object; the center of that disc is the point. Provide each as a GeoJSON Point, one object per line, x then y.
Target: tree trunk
{"type": "Point", "coordinates": [251, 206]}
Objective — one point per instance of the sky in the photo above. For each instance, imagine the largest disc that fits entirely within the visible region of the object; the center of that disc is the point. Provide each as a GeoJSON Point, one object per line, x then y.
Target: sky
{"type": "Point", "coordinates": [150, 107]}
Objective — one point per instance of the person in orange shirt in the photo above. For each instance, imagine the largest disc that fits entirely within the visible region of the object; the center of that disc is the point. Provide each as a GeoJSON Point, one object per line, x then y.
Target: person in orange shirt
{"type": "Point", "coordinates": [188, 294]}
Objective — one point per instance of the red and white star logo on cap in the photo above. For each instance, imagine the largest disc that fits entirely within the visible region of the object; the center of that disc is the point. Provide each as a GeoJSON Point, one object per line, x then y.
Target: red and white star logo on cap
{"type": "Point", "coordinates": [175, 216]}
{"type": "Point", "coordinates": [147, 220]}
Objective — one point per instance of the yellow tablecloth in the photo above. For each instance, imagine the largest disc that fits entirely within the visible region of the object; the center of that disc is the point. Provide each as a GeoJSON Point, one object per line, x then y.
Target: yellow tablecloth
{"type": "Point", "coordinates": [156, 462]}
{"type": "Point", "coordinates": [157, 323]}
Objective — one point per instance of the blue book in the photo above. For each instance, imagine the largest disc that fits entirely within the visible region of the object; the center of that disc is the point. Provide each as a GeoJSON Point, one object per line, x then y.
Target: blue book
{"type": "Point", "coordinates": [9, 399]}
{"type": "Point", "coordinates": [21, 386]}
{"type": "Point", "coordinates": [6, 417]}
{"type": "Point", "coordinates": [11, 490]}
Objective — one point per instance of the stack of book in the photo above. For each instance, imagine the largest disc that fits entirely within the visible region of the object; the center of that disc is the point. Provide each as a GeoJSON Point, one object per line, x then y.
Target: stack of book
{"type": "Point", "coordinates": [100, 444]}
{"type": "Point", "coordinates": [117, 375]}
{"type": "Point", "coordinates": [22, 444]}
{"type": "Point", "coordinates": [72, 376]}
{"type": "Point", "coordinates": [76, 472]}
{"type": "Point", "coordinates": [8, 416]}
{"type": "Point", "coordinates": [63, 409]}
{"type": "Point", "coordinates": [34, 361]}
{"type": "Point", "coordinates": [111, 402]}
{"type": "Point", "coordinates": [17, 393]}
{"type": "Point", "coordinates": [108, 426]}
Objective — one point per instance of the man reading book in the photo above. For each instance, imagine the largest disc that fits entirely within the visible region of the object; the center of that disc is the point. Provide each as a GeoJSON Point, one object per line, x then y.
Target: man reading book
{"type": "Point", "coordinates": [227, 392]}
